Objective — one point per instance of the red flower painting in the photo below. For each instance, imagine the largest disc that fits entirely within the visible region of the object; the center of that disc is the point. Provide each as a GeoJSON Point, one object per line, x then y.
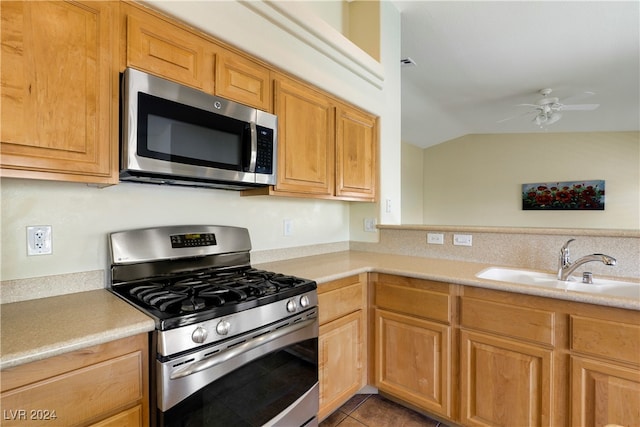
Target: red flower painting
{"type": "Point", "coordinates": [574, 195]}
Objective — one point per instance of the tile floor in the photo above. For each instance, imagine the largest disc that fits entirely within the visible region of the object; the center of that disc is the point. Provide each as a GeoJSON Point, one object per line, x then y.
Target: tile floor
{"type": "Point", "coordinates": [372, 410]}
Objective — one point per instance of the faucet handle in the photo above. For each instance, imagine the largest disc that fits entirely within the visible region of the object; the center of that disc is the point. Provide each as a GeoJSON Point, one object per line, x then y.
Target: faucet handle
{"type": "Point", "coordinates": [564, 253]}
{"type": "Point", "coordinates": [565, 247]}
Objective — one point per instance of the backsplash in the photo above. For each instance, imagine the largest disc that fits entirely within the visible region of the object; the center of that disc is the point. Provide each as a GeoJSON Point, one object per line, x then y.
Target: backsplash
{"type": "Point", "coordinates": [525, 248]}
{"type": "Point", "coordinates": [515, 247]}
{"type": "Point", "coordinates": [61, 284]}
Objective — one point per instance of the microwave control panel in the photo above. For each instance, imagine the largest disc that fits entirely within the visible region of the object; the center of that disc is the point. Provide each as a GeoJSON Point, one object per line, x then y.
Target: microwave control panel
{"type": "Point", "coordinates": [264, 156]}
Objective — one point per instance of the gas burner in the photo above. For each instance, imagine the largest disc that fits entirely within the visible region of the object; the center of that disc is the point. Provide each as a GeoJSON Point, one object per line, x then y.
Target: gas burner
{"type": "Point", "coordinates": [203, 290]}
{"type": "Point", "coordinates": [192, 304]}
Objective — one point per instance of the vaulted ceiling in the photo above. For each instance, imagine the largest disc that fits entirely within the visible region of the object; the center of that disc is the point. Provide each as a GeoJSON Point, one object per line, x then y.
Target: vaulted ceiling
{"type": "Point", "coordinates": [475, 61]}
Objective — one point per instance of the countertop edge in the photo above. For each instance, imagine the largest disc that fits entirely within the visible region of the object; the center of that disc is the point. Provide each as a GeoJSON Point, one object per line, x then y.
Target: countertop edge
{"type": "Point", "coordinates": [12, 360]}
{"type": "Point", "coordinates": [368, 265]}
{"type": "Point", "coordinates": [333, 267]}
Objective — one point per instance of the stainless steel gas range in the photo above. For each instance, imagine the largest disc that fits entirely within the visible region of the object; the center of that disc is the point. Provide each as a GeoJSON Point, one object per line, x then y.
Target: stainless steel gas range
{"type": "Point", "coordinates": [233, 345]}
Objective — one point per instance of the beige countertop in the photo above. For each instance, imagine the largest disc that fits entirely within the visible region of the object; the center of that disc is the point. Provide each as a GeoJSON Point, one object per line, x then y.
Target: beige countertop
{"type": "Point", "coordinates": [324, 268]}
{"type": "Point", "coordinates": [40, 328]}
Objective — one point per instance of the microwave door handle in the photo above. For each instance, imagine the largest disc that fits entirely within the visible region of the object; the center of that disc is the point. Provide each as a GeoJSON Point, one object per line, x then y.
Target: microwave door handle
{"type": "Point", "coordinates": [254, 147]}
{"type": "Point", "coordinates": [235, 351]}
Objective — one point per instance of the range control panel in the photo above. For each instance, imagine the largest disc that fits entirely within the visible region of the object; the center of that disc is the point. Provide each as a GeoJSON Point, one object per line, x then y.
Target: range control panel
{"type": "Point", "coordinates": [191, 240]}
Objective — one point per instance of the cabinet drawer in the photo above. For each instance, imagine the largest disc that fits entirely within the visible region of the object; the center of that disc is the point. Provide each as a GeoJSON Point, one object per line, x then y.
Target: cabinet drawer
{"type": "Point", "coordinates": [514, 321]}
{"type": "Point", "coordinates": [80, 395]}
{"type": "Point", "coordinates": [129, 418]}
{"type": "Point", "coordinates": [429, 304]}
{"type": "Point", "coordinates": [612, 340]}
{"type": "Point", "coordinates": [340, 302]}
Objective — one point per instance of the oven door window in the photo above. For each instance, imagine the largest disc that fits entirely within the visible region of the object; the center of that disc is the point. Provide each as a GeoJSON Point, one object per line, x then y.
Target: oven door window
{"type": "Point", "coordinates": [252, 394]}
{"type": "Point", "coordinates": [179, 133]}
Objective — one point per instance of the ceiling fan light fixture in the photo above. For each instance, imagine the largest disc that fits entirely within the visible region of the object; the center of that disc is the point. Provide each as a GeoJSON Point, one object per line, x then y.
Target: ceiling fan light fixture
{"type": "Point", "coordinates": [553, 118]}
{"type": "Point", "coordinates": [540, 119]}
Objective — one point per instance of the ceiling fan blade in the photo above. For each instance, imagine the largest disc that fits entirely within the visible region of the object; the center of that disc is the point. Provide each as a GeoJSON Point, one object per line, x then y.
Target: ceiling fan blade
{"type": "Point", "coordinates": [579, 107]}
{"type": "Point", "coordinates": [579, 96]}
{"type": "Point", "coordinates": [527, 105]}
{"type": "Point", "coordinates": [515, 116]}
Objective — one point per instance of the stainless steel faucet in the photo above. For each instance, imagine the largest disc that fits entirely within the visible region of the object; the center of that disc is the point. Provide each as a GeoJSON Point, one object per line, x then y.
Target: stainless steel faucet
{"type": "Point", "coordinates": [566, 267]}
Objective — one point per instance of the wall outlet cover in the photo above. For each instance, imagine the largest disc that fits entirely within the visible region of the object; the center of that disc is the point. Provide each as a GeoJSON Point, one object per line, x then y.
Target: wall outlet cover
{"type": "Point", "coordinates": [435, 238]}
{"type": "Point", "coordinates": [462, 239]}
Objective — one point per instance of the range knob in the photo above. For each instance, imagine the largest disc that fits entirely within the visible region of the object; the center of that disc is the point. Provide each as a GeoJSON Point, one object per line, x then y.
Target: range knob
{"type": "Point", "coordinates": [199, 335]}
{"type": "Point", "coordinates": [292, 306]}
{"type": "Point", "coordinates": [304, 301]}
{"type": "Point", "coordinates": [223, 327]}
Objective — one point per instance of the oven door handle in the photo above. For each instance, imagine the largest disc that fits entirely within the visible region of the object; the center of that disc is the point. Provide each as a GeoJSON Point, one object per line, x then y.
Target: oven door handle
{"type": "Point", "coordinates": [212, 361]}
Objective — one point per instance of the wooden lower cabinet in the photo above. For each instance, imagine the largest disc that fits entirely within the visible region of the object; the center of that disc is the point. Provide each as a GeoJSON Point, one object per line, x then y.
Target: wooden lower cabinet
{"type": "Point", "coordinates": [342, 343]}
{"type": "Point", "coordinates": [605, 368]}
{"type": "Point", "coordinates": [504, 382]}
{"type": "Point", "coordinates": [413, 360]}
{"type": "Point", "coordinates": [604, 394]}
{"type": "Point", "coordinates": [104, 385]}
{"type": "Point", "coordinates": [414, 346]}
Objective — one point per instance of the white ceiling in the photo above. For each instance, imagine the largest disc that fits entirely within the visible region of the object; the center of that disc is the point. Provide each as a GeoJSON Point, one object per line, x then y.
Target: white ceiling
{"type": "Point", "coordinates": [476, 60]}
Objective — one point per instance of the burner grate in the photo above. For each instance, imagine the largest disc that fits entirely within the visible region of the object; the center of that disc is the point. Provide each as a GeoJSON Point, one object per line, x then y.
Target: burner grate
{"type": "Point", "coordinates": [209, 289]}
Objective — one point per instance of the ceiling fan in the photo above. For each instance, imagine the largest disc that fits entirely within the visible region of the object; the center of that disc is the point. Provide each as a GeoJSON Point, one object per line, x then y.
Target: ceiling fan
{"type": "Point", "coordinates": [548, 109]}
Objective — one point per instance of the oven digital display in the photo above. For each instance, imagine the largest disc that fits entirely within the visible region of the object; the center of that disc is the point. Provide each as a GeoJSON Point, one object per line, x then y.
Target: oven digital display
{"type": "Point", "coordinates": [191, 240]}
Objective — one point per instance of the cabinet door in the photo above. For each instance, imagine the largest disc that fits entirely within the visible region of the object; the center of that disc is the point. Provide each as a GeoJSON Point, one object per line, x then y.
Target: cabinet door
{"type": "Point", "coordinates": [356, 155]}
{"type": "Point", "coordinates": [59, 90]}
{"type": "Point", "coordinates": [162, 48]}
{"type": "Point", "coordinates": [81, 387]}
{"type": "Point", "coordinates": [504, 382]}
{"type": "Point", "coordinates": [242, 80]}
{"type": "Point", "coordinates": [413, 361]}
{"type": "Point", "coordinates": [603, 393]}
{"type": "Point", "coordinates": [306, 130]}
{"type": "Point", "coordinates": [341, 352]}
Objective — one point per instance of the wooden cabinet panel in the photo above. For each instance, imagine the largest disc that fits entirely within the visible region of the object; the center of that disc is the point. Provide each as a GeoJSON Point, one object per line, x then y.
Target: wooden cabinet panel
{"type": "Point", "coordinates": [341, 361]}
{"type": "Point", "coordinates": [243, 80]}
{"type": "Point", "coordinates": [83, 386]}
{"type": "Point", "coordinates": [306, 121]}
{"type": "Point", "coordinates": [166, 50]}
{"type": "Point", "coordinates": [427, 303]}
{"type": "Point", "coordinates": [510, 320]}
{"type": "Point", "coordinates": [59, 90]}
{"type": "Point", "coordinates": [612, 340]}
{"type": "Point", "coordinates": [129, 418]}
{"type": "Point", "coordinates": [413, 360]}
{"type": "Point", "coordinates": [503, 382]}
{"type": "Point", "coordinates": [604, 394]}
{"type": "Point", "coordinates": [340, 302]}
{"type": "Point", "coordinates": [356, 154]}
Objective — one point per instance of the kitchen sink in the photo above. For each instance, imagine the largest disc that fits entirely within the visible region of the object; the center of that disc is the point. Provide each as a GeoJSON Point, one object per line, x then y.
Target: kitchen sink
{"type": "Point", "coordinates": [599, 286]}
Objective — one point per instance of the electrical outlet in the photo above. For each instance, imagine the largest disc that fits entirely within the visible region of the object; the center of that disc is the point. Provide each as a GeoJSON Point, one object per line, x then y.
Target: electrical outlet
{"type": "Point", "coordinates": [462, 239]}
{"type": "Point", "coordinates": [370, 225]}
{"type": "Point", "coordinates": [435, 238]}
{"type": "Point", "coordinates": [39, 240]}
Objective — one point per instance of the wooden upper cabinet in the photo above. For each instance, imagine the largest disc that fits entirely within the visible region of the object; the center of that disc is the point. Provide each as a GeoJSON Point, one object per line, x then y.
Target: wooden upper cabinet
{"type": "Point", "coordinates": [356, 158]}
{"type": "Point", "coordinates": [306, 126]}
{"type": "Point", "coordinates": [59, 90]}
{"type": "Point", "coordinates": [243, 80]}
{"type": "Point", "coordinates": [326, 149]}
{"type": "Point", "coordinates": [162, 48]}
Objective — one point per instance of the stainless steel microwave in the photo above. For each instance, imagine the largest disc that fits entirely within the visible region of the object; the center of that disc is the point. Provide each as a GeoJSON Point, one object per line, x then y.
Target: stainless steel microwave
{"type": "Point", "coordinates": [173, 134]}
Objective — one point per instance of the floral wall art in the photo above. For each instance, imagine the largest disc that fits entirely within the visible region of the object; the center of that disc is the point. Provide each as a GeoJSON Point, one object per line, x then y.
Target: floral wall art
{"type": "Point", "coordinates": [571, 195]}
